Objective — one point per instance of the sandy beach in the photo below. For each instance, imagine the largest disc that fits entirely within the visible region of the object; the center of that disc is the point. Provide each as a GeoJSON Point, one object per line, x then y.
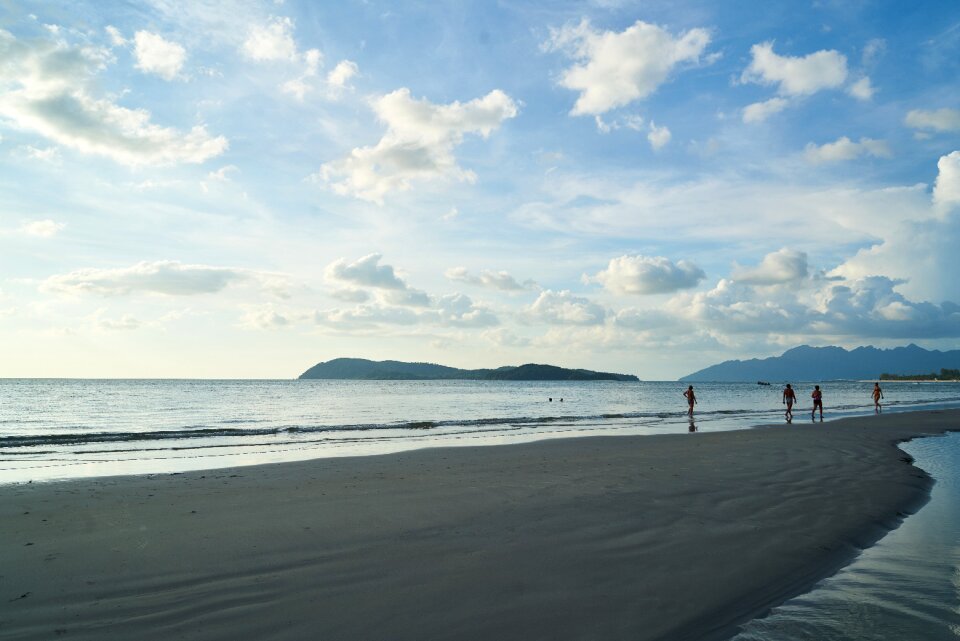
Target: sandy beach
{"type": "Point", "coordinates": [653, 537]}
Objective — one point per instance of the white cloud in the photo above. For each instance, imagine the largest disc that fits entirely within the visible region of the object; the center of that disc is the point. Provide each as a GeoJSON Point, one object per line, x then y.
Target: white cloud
{"type": "Point", "coordinates": [340, 75]}
{"type": "Point", "coordinates": [862, 89]}
{"type": "Point", "coordinates": [946, 191]}
{"type": "Point", "coordinates": [50, 154]}
{"type": "Point", "coordinates": [937, 120]}
{"type": "Point", "coordinates": [503, 337]}
{"type": "Point", "coordinates": [917, 249]}
{"type": "Point", "coordinates": [495, 280]}
{"type": "Point", "coordinates": [760, 111]}
{"type": "Point", "coordinates": [459, 311]}
{"type": "Point", "coordinates": [366, 316]}
{"type": "Point", "coordinates": [614, 69]}
{"type": "Point", "coordinates": [42, 228]}
{"type": "Point", "coordinates": [223, 174]}
{"type": "Point", "coordinates": [161, 277]}
{"type": "Point", "coordinates": [648, 275]}
{"type": "Point", "coordinates": [116, 38]}
{"type": "Point", "coordinates": [46, 87]}
{"type": "Point", "coordinates": [418, 145]}
{"type": "Point", "coordinates": [658, 136]}
{"type": "Point", "coordinates": [845, 149]}
{"type": "Point", "coordinates": [271, 42]}
{"type": "Point", "coordinates": [264, 317]}
{"type": "Point", "coordinates": [408, 297]}
{"type": "Point", "coordinates": [298, 87]}
{"type": "Point", "coordinates": [365, 272]}
{"type": "Point", "coordinates": [125, 322]}
{"type": "Point", "coordinates": [783, 266]}
{"type": "Point", "coordinates": [796, 75]}
{"type": "Point", "coordinates": [349, 295]}
{"type": "Point", "coordinates": [563, 308]}
{"type": "Point", "coordinates": [158, 56]}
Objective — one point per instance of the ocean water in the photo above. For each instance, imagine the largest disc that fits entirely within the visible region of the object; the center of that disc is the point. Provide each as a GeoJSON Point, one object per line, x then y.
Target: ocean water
{"type": "Point", "coordinates": [906, 587]}
{"type": "Point", "coordinates": [56, 429]}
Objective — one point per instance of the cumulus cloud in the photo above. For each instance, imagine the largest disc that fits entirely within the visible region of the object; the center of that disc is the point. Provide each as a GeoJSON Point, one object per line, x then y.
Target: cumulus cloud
{"type": "Point", "coordinates": [563, 308]}
{"type": "Point", "coordinates": [365, 272]}
{"type": "Point", "coordinates": [161, 277]}
{"type": "Point", "coordinates": [495, 280]}
{"type": "Point", "coordinates": [408, 297]}
{"type": "Point", "coordinates": [47, 87]}
{"type": "Point", "coordinates": [158, 56]}
{"type": "Point", "coordinates": [419, 144]}
{"type": "Point", "coordinates": [760, 111]}
{"type": "Point", "coordinates": [349, 295]}
{"type": "Point", "coordinates": [614, 69]}
{"type": "Point", "coordinates": [648, 275]}
{"type": "Point", "coordinates": [264, 317]}
{"type": "Point", "coordinates": [658, 136]}
{"type": "Point", "coordinates": [42, 228]}
{"type": "Point", "coordinates": [935, 120]}
{"type": "Point", "coordinates": [299, 86]}
{"type": "Point", "coordinates": [845, 149]}
{"type": "Point", "coordinates": [783, 266]}
{"type": "Point", "coordinates": [459, 310]}
{"type": "Point", "coordinates": [946, 191]}
{"type": "Point", "coordinates": [796, 75]}
{"type": "Point", "coordinates": [341, 74]}
{"type": "Point", "coordinates": [872, 307]}
{"type": "Point", "coordinates": [271, 42]}
{"type": "Point", "coordinates": [862, 89]}
{"type": "Point", "coordinates": [917, 249]}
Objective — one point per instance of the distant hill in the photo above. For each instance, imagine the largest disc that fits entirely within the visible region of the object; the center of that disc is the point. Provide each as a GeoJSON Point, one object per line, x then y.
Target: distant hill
{"type": "Point", "coordinates": [807, 363]}
{"type": "Point", "coordinates": [363, 369]}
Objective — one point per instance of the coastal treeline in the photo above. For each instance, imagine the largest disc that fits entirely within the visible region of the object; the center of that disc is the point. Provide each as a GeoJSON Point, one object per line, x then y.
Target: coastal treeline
{"type": "Point", "coordinates": [944, 375]}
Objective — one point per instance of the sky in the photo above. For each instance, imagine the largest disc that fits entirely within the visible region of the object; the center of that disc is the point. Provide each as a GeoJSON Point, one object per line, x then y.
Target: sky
{"type": "Point", "coordinates": [241, 189]}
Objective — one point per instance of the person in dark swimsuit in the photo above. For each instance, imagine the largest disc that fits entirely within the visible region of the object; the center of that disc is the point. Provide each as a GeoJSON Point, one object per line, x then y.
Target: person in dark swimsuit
{"type": "Point", "coordinates": [817, 402]}
{"type": "Point", "coordinates": [789, 398]}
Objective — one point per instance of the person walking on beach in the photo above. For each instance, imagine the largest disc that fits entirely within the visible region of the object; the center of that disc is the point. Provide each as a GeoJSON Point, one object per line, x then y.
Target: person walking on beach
{"type": "Point", "coordinates": [691, 399]}
{"type": "Point", "coordinates": [877, 395]}
{"type": "Point", "coordinates": [817, 402]}
{"type": "Point", "coordinates": [789, 398]}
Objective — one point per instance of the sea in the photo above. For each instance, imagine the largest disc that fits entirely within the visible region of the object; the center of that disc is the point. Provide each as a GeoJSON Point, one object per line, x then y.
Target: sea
{"type": "Point", "coordinates": [54, 429]}
{"type": "Point", "coordinates": [905, 587]}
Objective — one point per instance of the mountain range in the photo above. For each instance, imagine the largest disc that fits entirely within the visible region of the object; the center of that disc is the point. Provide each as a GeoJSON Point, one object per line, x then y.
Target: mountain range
{"type": "Point", "coordinates": [807, 363]}
{"type": "Point", "coordinates": [363, 369]}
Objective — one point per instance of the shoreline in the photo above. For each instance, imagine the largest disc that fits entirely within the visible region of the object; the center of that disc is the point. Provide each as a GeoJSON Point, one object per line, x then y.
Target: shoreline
{"type": "Point", "coordinates": [679, 536]}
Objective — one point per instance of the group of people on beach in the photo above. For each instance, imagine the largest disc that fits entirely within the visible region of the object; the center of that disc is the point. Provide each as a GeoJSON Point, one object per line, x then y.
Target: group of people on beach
{"type": "Point", "coordinates": [790, 397]}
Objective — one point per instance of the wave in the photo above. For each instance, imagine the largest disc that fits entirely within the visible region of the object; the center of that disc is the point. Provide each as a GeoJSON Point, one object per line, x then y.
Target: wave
{"type": "Point", "coordinates": [222, 429]}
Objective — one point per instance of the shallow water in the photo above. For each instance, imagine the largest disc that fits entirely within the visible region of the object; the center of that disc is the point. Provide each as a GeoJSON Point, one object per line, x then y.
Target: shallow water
{"type": "Point", "coordinates": [906, 587]}
{"type": "Point", "coordinates": [55, 428]}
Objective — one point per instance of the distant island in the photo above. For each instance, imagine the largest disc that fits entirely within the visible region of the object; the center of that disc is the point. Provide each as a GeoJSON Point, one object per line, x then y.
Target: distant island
{"type": "Point", "coordinates": [360, 369]}
{"type": "Point", "coordinates": [944, 375]}
{"type": "Point", "coordinates": [807, 363]}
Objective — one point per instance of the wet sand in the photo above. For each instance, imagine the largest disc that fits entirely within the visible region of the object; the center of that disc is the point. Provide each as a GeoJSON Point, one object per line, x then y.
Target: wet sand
{"type": "Point", "coordinates": [652, 537]}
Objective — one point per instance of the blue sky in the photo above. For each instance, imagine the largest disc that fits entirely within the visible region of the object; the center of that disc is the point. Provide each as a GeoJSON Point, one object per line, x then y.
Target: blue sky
{"type": "Point", "coordinates": [242, 189]}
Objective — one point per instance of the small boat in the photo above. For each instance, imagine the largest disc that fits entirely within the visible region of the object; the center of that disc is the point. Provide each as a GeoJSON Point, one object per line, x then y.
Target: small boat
{"type": "Point", "coordinates": [762, 383]}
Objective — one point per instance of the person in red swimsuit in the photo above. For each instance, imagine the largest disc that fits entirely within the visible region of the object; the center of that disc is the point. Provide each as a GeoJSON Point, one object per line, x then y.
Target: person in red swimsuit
{"type": "Point", "coordinates": [877, 395]}
{"type": "Point", "coordinates": [817, 402]}
{"type": "Point", "coordinates": [691, 399]}
{"type": "Point", "coordinates": [789, 398]}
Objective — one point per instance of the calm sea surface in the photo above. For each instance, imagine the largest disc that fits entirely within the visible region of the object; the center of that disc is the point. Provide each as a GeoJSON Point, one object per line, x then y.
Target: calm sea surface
{"type": "Point", "coordinates": [55, 428]}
